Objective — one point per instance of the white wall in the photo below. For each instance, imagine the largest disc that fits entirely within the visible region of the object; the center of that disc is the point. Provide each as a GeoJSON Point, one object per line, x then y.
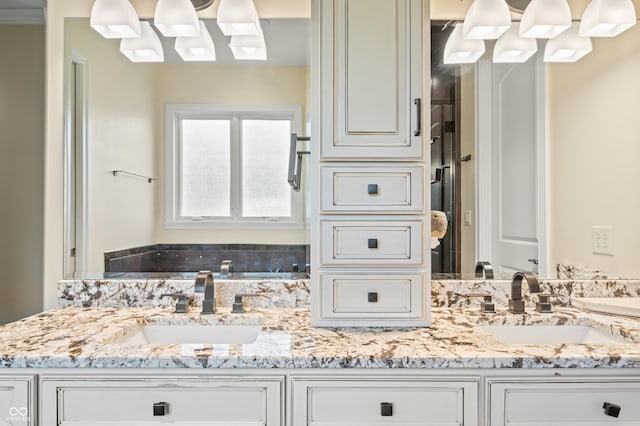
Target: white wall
{"type": "Point", "coordinates": [21, 169]}
{"type": "Point", "coordinates": [467, 168]}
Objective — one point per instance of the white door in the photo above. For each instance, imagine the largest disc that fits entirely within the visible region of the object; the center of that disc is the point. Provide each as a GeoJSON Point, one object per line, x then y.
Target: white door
{"type": "Point", "coordinates": [512, 166]}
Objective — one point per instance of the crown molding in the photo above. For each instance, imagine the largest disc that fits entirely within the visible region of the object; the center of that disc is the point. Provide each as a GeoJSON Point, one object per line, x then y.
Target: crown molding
{"type": "Point", "coordinates": [22, 16]}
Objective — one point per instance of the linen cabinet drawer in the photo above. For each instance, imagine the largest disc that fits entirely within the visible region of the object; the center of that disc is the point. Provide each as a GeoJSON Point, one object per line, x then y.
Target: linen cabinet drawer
{"type": "Point", "coordinates": [369, 295]}
{"type": "Point", "coordinates": [391, 243]}
{"type": "Point", "coordinates": [559, 404]}
{"type": "Point", "coordinates": [377, 402]}
{"type": "Point", "coordinates": [372, 189]}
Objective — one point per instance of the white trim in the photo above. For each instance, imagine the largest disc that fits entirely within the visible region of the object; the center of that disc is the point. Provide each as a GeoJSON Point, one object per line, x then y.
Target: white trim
{"type": "Point", "coordinates": [544, 168]}
{"type": "Point", "coordinates": [173, 114]}
{"type": "Point", "coordinates": [22, 16]}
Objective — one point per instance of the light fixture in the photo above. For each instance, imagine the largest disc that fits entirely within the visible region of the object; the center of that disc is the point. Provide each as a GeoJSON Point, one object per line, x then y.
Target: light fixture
{"type": "Point", "coordinates": [458, 50]}
{"type": "Point", "coordinates": [115, 19]}
{"type": "Point", "coordinates": [246, 47]}
{"type": "Point", "coordinates": [486, 19]}
{"type": "Point", "coordinates": [568, 46]}
{"type": "Point", "coordinates": [196, 48]}
{"type": "Point", "coordinates": [513, 48]}
{"type": "Point", "coordinates": [146, 48]}
{"type": "Point", "coordinates": [545, 18]}
{"type": "Point", "coordinates": [176, 18]}
{"type": "Point", "coordinates": [237, 17]}
{"type": "Point", "coordinates": [607, 18]}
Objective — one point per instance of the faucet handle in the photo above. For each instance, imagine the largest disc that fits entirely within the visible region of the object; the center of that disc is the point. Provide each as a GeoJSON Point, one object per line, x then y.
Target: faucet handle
{"type": "Point", "coordinates": [486, 306]}
{"type": "Point", "coordinates": [238, 303]}
{"type": "Point", "coordinates": [182, 305]}
{"type": "Point", "coordinates": [543, 305]}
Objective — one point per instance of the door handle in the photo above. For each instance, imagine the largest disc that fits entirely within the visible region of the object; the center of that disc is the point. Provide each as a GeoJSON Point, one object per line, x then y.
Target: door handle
{"type": "Point", "coordinates": [418, 103]}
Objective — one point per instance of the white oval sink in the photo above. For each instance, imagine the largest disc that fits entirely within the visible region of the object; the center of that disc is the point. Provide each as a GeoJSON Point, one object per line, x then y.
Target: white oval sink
{"type": "Point", "coordinates": [551, 335]}
{"type": "Point", "coordinates": [191, 334]}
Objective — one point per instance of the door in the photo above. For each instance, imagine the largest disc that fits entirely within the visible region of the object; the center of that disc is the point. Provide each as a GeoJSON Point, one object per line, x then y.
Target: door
{"type": "Point", "coordinates": [512, 166]}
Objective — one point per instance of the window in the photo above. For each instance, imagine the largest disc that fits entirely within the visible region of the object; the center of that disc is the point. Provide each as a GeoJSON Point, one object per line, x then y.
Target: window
{"type": "Point", "coordinates": [227, 166]}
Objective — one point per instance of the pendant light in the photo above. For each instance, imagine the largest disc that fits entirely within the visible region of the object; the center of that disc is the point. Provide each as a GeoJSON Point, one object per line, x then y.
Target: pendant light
{"type": "Point", "coordinates": [545, 18]}
{"type": "Point", "coordinates": [246, 47]}
{"type": "Point", "coordinates": [176, 18]}
{"type": "Point", "coordinates": [459, 50]}
{"type": "Point", "coordinates": [115, 19]}
{"type": "Point", "coordinates": [568, 46]}
{"type": "Point", "coordinates": [237, 17]}
{"type": "Point", "coordinates": [511, 48]}
{"type": "Point", "coordinates": [486, 19]}
{"type": "Point", "coordinates": [196, 48]}
{"type": "Point", "coordinates": [146, 48]}
{"type": "Point", "coordinates": [607, 18]}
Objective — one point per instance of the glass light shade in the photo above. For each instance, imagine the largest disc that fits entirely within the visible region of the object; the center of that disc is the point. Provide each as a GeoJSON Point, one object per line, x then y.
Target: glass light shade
{"type": "Point", "coordinates": [237, 17]}
{"type": "Point", "coordinates": [176, 18]}
{"type": "Point", "coordinates": [459, 50]}
{"type": "Point", "coordinates": [249, 47]}
{"type": "Point", "coordinates": [196, 48]}
{"type": "Point", "coordinates": [607, 18]}
{"type": "Point", "coordinates": [115, 19]}
{"type": "Point", "coordinates": [568, 46]}
{"type": "Point", "coordinates": [146, 48]}
{"type": "Point", "coordinates": [486, 19]}
{"type": "Point", "coordinates": [545, 18]}
{"type": "Point", "coordinates": [512, 48]}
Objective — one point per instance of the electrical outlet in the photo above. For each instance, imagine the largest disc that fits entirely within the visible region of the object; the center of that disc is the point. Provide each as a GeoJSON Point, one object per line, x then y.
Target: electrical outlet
{"type": "Point", "coordinates": [602, 240]}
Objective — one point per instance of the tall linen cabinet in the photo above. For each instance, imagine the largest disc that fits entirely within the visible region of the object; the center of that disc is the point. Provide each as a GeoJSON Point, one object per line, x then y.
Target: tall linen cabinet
{"type": "Point", "coordinates": [369, 232]}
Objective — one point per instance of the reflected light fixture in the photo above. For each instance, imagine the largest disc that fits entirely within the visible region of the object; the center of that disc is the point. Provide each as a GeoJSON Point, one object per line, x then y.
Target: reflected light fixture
{"type": "Point", "coordinates": [146, 48]}
{"type": "Point", "coordinates": [196, 48]}
{"type": "Point", "coordinates": [607, 18]}
{"type": "Point", "coordinates": [115, 19]}
{"type": "Point", "coordinates": [246, 47]}
{"type": "Point", "coordinates": [238, 17]}
{"type": "Point", "coordinates": [568, 46]}
{"type": "Point", "coordinates": [545, 18]}
{"type": "Point", "coordinates": [486, 19]}
{"type": "Point", "coordinates": [511, 48]}
{"type": "Point", "coordinates": [176, 18]}
{"type": "Point", "coordinates": [459, 50]}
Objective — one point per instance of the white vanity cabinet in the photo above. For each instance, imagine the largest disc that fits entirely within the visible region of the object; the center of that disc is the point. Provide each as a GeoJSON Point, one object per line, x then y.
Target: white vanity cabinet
{"type": "Point", "coordinates": [18, 400]}
{"type": "Point", "coordinates": [364, 401]}
{"type": "Point", "coordinates": [370, 258]}
{"type": "Point", "coordinates": [565, 402]}
{"type": "Point", "coordinates": [246, 401]}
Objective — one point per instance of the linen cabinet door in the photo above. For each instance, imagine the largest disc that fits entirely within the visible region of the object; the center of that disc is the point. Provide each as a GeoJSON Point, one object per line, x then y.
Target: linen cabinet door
{"type": "Point", "coordinates": [17, 400]}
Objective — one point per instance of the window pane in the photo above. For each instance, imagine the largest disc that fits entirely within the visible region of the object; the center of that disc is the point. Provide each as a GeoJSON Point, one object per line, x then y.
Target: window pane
{"type": "Point", "coordinates": [265, 160]}
{"type": "Point", "coordinates": [205, 178]}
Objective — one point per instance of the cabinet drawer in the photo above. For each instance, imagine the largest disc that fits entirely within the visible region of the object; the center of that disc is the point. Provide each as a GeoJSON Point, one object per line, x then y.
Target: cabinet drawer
{"type": "Point", "coordinates": [372, 189]}
{"type": "Point", "coordinates": [397, 243]}
{"type": "Point", "coordinates": [563, 403]}
{"type": "Point", "coordinates": [372, 295]}
{"type": "Point", "coordinates": [219, 403]}
{"type": "Point", "coordinates": [360, 402]}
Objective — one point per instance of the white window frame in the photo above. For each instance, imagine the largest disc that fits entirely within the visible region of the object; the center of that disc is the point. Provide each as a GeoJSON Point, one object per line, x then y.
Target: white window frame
{"type": "Point", "coordinates": [174, 113]}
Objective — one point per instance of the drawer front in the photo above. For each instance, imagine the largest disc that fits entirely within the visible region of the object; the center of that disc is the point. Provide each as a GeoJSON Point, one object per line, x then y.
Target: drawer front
{"type": "Point", "coordinates": [372, 189]}
{"type": "Point", "coordinates": [563, 403]}
{"type": "Point", "coordinates": [377, 402]}
{"type": "Point", "coordinates": [252, 404]}
{"type": "Point", "coordinates": [372, 295]}
{"type": "Point", "coordinates": [372, 243]}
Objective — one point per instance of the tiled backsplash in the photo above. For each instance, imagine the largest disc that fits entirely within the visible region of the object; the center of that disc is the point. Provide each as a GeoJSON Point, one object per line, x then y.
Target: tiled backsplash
{"type": "Point", "coordinates": [196, 257]}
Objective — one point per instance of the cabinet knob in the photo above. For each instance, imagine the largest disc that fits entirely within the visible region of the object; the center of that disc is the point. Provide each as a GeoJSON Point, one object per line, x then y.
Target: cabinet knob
{"type": "Point", "coordinates": [372, 189]}
{"type": "Point", "coordinates": [612, 410]}
{"type": "Point", "coordinates": [372, 297]}
{"type": "Point", "coordinates": [160, 408]}
{"type": "Point", "coordinates": [372, 243]}
{"type": "Point", "coordinates": [386, 409]}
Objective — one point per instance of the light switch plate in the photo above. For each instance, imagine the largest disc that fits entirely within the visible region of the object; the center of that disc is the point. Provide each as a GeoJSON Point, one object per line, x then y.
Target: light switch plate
{"type": "Point", "coordinates": [602, 240]}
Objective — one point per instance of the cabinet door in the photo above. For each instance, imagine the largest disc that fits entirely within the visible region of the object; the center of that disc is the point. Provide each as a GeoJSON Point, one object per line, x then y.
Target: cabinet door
{"type": "Point", "coordinates": [17, 402]}
{"type": "Point", "coordinates": [372, 79]}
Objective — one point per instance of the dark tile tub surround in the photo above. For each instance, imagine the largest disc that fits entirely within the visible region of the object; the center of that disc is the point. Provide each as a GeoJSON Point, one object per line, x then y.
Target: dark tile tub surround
{"type": "Point", "coordinates": [197, 257]}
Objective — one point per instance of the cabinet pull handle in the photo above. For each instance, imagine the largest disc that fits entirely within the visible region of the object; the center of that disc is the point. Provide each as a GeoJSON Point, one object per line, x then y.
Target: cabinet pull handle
{"type": "Point", "coordinates": [372, 243]}
{"type": "Point", "coordinates": [160, 408]}
{"type": "Point", "coordinates": [612, 410]}
{"type": "Point", "coordinates": [372, 297]}
{"type": "Point", "coordinates": [386, 409]}
{"type": "Point", "coordinates": [418, 103]}
{"type": "Point", "coordinates": [372, 189]}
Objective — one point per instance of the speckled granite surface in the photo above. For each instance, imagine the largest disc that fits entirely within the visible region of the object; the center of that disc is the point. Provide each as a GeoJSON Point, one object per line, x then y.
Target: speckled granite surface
{"type": "Point", "coordinates": [86, 337]}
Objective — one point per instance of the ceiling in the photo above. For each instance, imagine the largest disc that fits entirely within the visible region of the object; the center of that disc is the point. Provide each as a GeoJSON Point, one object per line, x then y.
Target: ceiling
{"type": "Point", "coordinates": [22, 11]}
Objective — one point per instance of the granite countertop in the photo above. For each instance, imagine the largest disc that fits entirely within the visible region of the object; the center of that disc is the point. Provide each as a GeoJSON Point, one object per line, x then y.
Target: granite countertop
{"type": "Point", "coordinates": [86, 337]}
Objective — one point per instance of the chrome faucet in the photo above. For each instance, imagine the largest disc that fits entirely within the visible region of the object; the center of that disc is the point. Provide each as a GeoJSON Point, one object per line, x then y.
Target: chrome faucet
{"type": "Point", "coordinates": [225, 268]}
{"type": "Point", "coordinates": [204, 284]}
{"type": "Point", "coordinates": [516, 304]}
